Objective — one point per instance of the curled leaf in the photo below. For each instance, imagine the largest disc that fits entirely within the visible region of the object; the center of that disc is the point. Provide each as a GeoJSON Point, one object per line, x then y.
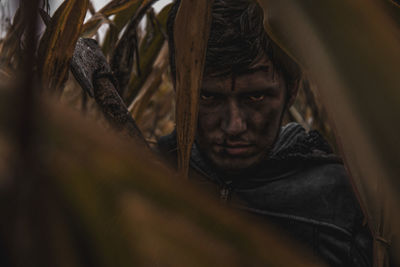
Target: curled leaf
{"type": "Point", "coordinates": [92, 26]}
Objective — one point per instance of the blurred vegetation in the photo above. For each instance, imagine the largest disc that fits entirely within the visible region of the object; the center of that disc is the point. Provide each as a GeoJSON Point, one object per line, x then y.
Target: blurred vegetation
{"type": "Point", "coordinates": [91, 198]}
{"type": "Point", "coordinates": [74, 193]}
{"type": "Point", "coordinates": [133, 70]}
{"type": "Point", "coordinates": [350, 49]}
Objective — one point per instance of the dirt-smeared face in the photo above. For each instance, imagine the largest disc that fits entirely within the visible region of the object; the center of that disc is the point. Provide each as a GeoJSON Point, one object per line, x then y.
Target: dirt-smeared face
{"type": "Point", "coordinates": [240, 117]}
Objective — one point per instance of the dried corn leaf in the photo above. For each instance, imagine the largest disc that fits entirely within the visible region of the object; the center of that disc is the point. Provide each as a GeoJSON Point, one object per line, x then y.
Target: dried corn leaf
{"type": "Point", "coordinates": [191, 30]}
{"type": "Point", "coordinates": [93, 25]}
{"type": "Point", "coordinates": [12, 41]}
{"type": "Point", "coordinates": [120, 21]}
{"type": "Point", "coordinates": [152, 84]}
{"type": "Point", "coordinates": [158, 116]}
{"type": "Point", "coordinates": [45, 17]}
{"type": "Point", "coordinates": [127, 47]}
{"type": "Point", "coordinates": [58, 42]}
{"type": "Point", "coordinates": [98, 19]}
{"type": "Point", "coordinates": [117, 6]}
{"type": "Point", "coordinates": [91, 8]}
{"type": "Point", "coordinates": [148, 54]}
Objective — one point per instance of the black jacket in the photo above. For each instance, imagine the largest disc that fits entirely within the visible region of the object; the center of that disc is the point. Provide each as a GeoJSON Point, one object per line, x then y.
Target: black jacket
{"type": "Point", "coordinates": [303, 188]}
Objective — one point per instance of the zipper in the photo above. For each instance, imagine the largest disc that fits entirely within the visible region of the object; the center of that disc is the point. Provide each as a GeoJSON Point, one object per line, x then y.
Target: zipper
{"type": "Point", "coordinates": [225, 193]}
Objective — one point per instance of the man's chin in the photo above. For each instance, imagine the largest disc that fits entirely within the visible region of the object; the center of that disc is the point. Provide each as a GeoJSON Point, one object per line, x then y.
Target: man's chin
{"type": "Point", "coordinates": [235, 165]}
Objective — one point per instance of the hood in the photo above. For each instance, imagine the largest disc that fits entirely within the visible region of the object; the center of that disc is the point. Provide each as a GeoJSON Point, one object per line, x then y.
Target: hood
{"type": "Point", "coordinates": [295, 148]}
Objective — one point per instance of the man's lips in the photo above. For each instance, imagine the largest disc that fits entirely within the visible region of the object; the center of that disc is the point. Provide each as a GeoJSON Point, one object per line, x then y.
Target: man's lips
{"type": "Point", "coordinates": [235, 148]}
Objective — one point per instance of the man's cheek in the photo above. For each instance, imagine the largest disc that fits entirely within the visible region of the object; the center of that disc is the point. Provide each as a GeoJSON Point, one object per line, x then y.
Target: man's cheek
{"type": "Point", "coordinates": [258, 119]}
{"type": "Point", "coordinates": [260, 122]}
{"type": "Point", "coordinates": [272, 114]}
{"type": "Point", "coordinates": [208, 122]}
{"type": "Point", "coordinates": [264, 125]}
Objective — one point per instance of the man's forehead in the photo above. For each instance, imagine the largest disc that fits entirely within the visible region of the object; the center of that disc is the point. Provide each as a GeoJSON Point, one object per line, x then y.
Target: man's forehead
{"type": "Point", "coordinates": [263, 63]}
{"type": "Point", "coordinates": [256, 77]}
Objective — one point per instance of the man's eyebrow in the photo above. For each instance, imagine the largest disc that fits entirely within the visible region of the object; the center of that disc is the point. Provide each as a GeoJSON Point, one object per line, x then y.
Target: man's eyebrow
{"type": "Point", "coordinates": [264, 90]}
{"type": "Point", "coordinates": [213, 91]}
{"type": "Point", "coordinates": [210, 88]}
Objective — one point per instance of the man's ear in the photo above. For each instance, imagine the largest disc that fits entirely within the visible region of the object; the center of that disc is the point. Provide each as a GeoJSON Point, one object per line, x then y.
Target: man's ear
{"type": "Point", "coordinates": [293, 93]}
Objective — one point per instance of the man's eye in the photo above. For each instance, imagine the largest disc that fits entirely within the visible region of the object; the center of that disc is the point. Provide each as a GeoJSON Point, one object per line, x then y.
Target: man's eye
{"type": "Point", "coordinates": [207, 96]}
{"type": "Point", "coordinates": [257, 97]}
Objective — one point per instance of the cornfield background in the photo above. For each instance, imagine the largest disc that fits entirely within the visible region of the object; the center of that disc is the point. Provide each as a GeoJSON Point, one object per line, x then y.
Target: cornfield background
{"type": "Point", "coordinates": [154, 110]}
{"type": "Point", "coordinates": [94, 197]}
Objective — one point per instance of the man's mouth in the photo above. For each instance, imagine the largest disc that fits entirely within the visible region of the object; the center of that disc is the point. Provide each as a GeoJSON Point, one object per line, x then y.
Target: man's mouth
{"type": "Point", "coordinates": [235, 148]}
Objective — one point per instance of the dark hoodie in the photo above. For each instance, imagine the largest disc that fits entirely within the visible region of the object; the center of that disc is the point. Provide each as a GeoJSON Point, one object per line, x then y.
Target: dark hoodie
{"type": "Point", "coordinates": [303, 188]}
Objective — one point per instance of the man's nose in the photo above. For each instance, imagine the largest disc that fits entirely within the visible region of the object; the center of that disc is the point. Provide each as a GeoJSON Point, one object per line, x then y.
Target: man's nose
{"type": "Point", "coordinates": [234, 122]}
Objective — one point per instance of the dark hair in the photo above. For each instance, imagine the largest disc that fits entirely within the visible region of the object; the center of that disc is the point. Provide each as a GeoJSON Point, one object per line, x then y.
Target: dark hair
{"type": "Point", "coordinates": [237, 40]}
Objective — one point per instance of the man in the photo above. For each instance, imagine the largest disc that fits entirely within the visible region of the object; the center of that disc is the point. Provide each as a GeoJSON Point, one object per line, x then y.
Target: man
{"type": "Point", "coordinates": [282, 173]}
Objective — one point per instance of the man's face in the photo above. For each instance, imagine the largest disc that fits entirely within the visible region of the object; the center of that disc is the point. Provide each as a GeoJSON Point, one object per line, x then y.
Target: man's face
{"type": "Point", "coordinates": [240, 117]}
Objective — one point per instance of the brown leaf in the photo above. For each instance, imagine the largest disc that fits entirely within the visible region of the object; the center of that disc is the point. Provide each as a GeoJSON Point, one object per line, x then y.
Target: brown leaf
{"type": "Point", "coordinates": [90, 28]}
{"type": "Point", "coordinates": [117, 6]}
{"type": "Point", "coordinates": [11, 44]}
{"type": "Point", "coordinates": [148, 53]}
{"type": "Point", "coordinates": [120, 21]}
{"type": "Point", "coordinates": [150, 87]}
{"type": "Point", "coordinates": [192, 21]}
{"type": "Point", "coordinates": [58, 42]}
{"type": "Point", "coordinates": [91, 8]}
{"type": "Point", "coordinates": [123, 55]}
{"type": "Point", "coordinates": [45, 16]}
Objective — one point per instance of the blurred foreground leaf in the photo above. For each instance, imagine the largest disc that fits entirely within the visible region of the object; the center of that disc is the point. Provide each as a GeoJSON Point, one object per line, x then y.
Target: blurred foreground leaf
{"type": "Point", "coordinates": [97, 201]}
{"type": "Point", "coordinates": [351, 50]}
